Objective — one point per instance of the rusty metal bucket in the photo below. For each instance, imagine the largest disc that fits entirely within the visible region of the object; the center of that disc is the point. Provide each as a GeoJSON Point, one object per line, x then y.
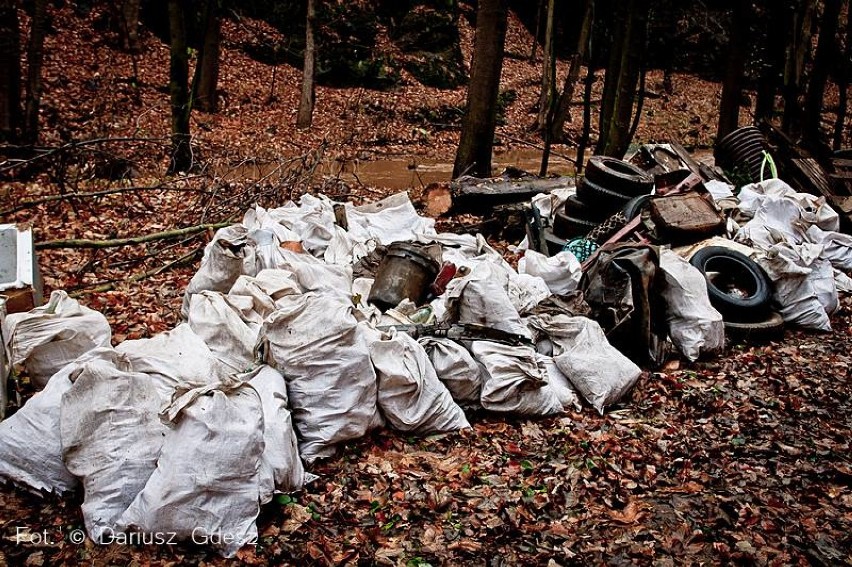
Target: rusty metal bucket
{"type": "Point", "coordinates": [405, 273]}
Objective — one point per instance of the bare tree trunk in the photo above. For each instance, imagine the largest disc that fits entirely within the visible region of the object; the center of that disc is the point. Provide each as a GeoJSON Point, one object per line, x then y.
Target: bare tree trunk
{"type": "Point", "coordinates": [181, 159]}
{"type": "Point", "coordinates": [732, 86]}
{"type": "Point", "coordinates": [208, 77]}
{"type": "Point", "coordinates": [537, 29]}
{"type": "Point", "coordinates": [547, 69]}
{"type": "Point", "coordinates": [306, 103]}
{"type": "Point", "coordinates": [825, 52]}
{"type": "Point", "coordinates": [35, 57]}
{"type": "Point", "coordinates": [10, 71]}
{"type": "Point", "coordinates": [563, 108]}
{"type": "Point", "coordinates": [622, 76]}
{"type": "Point", "coordinates": [843, 85]}
{"type": "Point", "coordinates": [587, 114]}
{"type": "Point", "coordinates": [480, 119]}
{"type": "Point", "coordinates": [770, 73]}
{"type": "Point", "coordinates": [130, 22]}
{"type": "Point", "coordinates": [798, 49]}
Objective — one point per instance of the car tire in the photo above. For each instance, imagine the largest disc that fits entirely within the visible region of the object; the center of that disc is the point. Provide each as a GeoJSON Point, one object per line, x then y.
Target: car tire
{"type": "Point", "coordinates": [738, 288]}
{"type": "Point", "coordinates": [575, 208]}
{"type": "Point", "coordinates": [605, 200]}
{"type": "Point", "coordinates": [771, 327]}
{"type": "Point", "coordinates": [619, 175]}
{"type": "Point", "coordinates": [635, 206]}
{"type": "Point", "coordinates": [565, 226]}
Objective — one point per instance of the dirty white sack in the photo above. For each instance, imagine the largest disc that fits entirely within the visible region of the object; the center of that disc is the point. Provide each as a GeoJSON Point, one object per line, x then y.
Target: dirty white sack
{"type": "Point", "coordinates": [172, 358]}
{"type": "Point", "coordinates": [280, 465]}
{"type": "Point", "coordinates": [411, 397]}
{"type": "Point", "coordinates": [455, 368]}
{"type": "Point", "coordinates": [111, 437]}
{"type": "Point", "coordinates": [796, 283]}
{"type": "Point", "coordinates": [229, 255]}
{"type": "Point", "coordinates": [515, 382]}
{"type": "Point", "coordinates": [5, 364]}
{"type": "Point", "coordinates": [560, 272]}
{"type": "Point", "coordinates": [482, 298]}
{"type": "Point", "coordinates": [695, 326]}
{"type": "Point", "coordinates": [214, 318]}
{"type": "Point", "coordinates": [599, 372]}
{"type": "Point", "coordinates": [47, 338]}
{"type": "Point", "coordinates": [30, 441]}
{"type": "Point", "coordinates": [559, 382]}
{"type": "Point", "coordinates": [206, 484]}
{"type": "Point", "coordinates": [315, 341]}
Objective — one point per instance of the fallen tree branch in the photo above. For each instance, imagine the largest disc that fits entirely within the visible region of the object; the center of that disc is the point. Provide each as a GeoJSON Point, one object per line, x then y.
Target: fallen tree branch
{"type": "Point", "coordinates": [86, 243]}
{"type": "Point", "coordinates": [94, 194]}
{"type": "Point", "coordinates": [143, 275]}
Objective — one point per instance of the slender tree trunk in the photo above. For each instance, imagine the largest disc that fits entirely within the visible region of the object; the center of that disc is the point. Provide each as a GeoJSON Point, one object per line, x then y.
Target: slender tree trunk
{"type": "Point", "coordinates": [587, 114]}
{"type": "Point", "coordinates": [622, 76]}
{"type": "Point", "coordinates": [770, 73]}
{"type": "Point", "coordinates": [797, 52]}
{"type": "Point", "coordinates": [10, 71]}
{"type": "Point", "coordinates": [563, 108]}
{"type": "Point", "coordinates": [732, 86]}
{"type": "Point", "coordinates": [843, 85]}
{"type": "Point", "coordinates": [130, 22]}
{"type": "Point", "coordinates": [181, 159]}
{"type": "Point", "coordinates": [480, 119]}
{"type": "Point", "coordinates": [35, 58]}
{"type": "Point", "coordinates": [548, 122]}
{"type": "Point", "coordinates": [825, 52]}
{"type": "Point", "coordinates": [547, 69]}
{"type": "Point", "coordinates": [208, 78]}
{"type": "Point", "coordinates": [306, 103]}
{"type": "Point", "coordinates": [537, 29]}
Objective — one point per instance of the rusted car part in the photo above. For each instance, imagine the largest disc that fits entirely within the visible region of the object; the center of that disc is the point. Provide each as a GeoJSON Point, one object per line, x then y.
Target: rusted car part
{"type": "Point", "coordinates": [622, 287]}
{"type": "Point", "coordinates": [685, 218]}
{"type": "Point", "coordinates": [738, 288]}
{"type": "Point", "coordinates": [405, 273]}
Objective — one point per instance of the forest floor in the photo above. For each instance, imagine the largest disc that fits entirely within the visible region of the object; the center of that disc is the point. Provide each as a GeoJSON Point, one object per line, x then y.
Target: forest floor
{"type": "Point", "coordinates": [743, 459]}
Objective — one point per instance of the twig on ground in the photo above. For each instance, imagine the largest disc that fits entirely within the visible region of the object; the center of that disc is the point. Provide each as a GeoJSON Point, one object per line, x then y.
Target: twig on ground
{"type": "Point", "coordinates": [87, 243]}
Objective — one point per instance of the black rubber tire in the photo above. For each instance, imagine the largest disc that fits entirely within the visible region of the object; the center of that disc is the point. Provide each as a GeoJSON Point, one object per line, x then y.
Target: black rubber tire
{"type": "Point", "coordinates": [742, 274]}
{"type": "Point", "coordinates": [635, 206]}
{"type": "Point", "coordinates": [605, 200]}
{"type": "Point", "coordinates": [769, 328]}
{"type": "Point", "coordinates": [554, 243]}
{"type": "Point", "coordinates": [618, 175]}
{"type": "Point", "coordinates": [565, 226]}
{"type": "Point", "coordinates": [577, 209]}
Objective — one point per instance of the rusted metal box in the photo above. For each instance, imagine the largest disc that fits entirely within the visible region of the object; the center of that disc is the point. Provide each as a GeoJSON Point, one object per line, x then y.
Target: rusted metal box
{"type": "Point", "coordinates": [20, 281]}
{"type": "Point", "coordinates": [685, 217]}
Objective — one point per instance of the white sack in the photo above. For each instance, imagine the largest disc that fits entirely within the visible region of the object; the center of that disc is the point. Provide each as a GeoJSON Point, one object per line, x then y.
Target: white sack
{"type": "Point", "coordinates": [515, 381]}
{"type": "Point", "coordinates": [30, 442]}
{"type": "Point", "coordinates": [323, 353]}
{"type": "Point", "coordinates": [812, 210]}
{"type": "Point", "coordinates": [111, 437]}
{"type": "Point", "coordinates": [229, 255]}
{"type": "Point", "coordinates": [695, 326]}
{"type": "Point", "coordinates": [280, 465]}
{"type": "Point", "coordinates": [5, 363]}
{"type": "Point", "coordinates": [217, 321]}
{"type": "Point", "coordinates": [47, 338]}
{"type": "Point", "coordinates": [559, 382]}
{"type": "Point", "coordinates": [410, 396]}
{"type": "Point", "coordinates": [837, 246]}
{"type": "Point", "coordinates": [793, 287]}
{"type": "Point", "coordinates": [175, 357]}
{"type": "Point", "coordinates": [481, 298]}
{"type": "Point", "coordinates": [390, 220]}
{"type": "Point", "coordinates": [599, 372]}
{"type": "Point", "coordinates": [313, 274]}
{"type": "Point", "coordinates": [560, 272]}
{"type": "Point", "coordinates": [455, 368]}
{"type": "Point", "coordinates": [207, 481]}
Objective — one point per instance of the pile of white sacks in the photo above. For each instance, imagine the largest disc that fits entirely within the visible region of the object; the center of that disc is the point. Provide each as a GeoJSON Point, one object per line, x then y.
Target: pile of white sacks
{"type": "Point", "coordinates": [279, 361]}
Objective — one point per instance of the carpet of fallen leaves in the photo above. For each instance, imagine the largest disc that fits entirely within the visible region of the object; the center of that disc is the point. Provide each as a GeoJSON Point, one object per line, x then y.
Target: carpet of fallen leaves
{"type": "Point", "coordinates": [744, 459]}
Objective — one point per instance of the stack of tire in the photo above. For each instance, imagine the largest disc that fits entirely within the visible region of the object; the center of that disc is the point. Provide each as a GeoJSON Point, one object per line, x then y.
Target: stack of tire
{"type": "Point", "coordinates": [609, 185]}
{"type": "Point", "coordinates": [740, 290]}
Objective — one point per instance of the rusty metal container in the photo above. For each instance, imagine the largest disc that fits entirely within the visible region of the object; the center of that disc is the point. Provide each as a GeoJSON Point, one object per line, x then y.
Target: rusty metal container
{"type": "Point", "coordinates": [405, 273]}
{"type": "Point", "coordinates": [685, 218]}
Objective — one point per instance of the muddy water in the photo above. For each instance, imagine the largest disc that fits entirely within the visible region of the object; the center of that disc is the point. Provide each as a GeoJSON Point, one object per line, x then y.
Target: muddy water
{"type": "Point", "coordinates": [409, 172]}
